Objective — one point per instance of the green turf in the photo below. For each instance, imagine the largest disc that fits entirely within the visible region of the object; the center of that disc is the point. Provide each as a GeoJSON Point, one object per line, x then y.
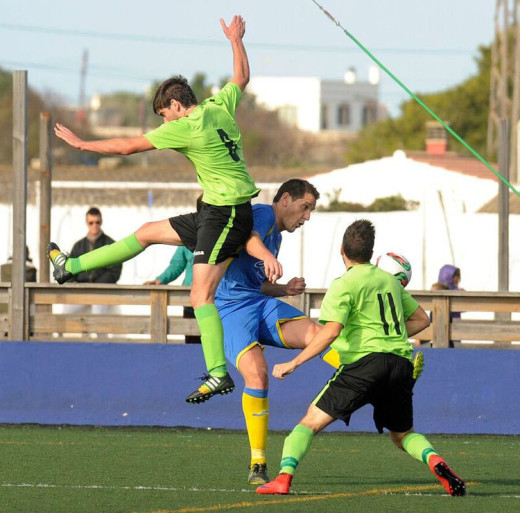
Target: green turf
{"type": "Point", "coordinates": [76, 469]}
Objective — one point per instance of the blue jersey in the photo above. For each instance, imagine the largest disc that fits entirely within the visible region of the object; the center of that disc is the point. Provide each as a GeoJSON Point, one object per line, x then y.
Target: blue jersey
{"type": "Point", "coordinates": [245, 275]}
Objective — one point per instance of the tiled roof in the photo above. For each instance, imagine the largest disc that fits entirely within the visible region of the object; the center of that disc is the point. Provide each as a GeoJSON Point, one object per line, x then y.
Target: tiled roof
{"type": "Point", "coordinates": [454, 162]}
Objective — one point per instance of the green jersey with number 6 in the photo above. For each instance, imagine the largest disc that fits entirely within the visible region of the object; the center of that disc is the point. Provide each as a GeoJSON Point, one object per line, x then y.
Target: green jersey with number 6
{"type": "Point", "coordinates": [373, 307]}
{"type": "Point", "coordinates": [210, 138]}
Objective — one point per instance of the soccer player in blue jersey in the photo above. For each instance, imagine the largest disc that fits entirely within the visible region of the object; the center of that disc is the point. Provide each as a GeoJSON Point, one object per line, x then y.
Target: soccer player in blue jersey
{"type": "Point", "coordinates": [252, 316]}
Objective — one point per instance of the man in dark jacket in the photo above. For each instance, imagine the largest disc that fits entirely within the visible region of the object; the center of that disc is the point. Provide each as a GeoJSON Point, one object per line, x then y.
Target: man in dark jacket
{"type": "Point", "coordinates": [95, 239]}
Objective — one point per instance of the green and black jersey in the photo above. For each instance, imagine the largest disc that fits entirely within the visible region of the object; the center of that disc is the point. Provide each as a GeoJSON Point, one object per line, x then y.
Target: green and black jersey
{"type": "Point", "coordinates": [373, 307]}
{"type": "Point", "coordinates": [210, 138]}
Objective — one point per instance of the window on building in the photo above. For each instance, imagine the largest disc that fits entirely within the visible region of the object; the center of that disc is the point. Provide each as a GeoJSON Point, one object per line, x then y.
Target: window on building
{"type": "Point", "coordinates": [344, 114]}
{"type": "Point", "coordinates": [369, 114]}
{"type": "Point", "coordinates": [324, 121]}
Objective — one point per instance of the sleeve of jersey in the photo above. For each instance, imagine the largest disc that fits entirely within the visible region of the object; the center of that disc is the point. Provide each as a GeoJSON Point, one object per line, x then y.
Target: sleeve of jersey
{"type": "Point", "coordinates": [263, 220]}
{"type": "Point", "coordinates": [336, 304]}
{"type": "Point", "coordinates": [230, 95]}
{"type": "Point", "coordinates": [173, 135]}
{"type": "Point", "coordinates": [409, 303]}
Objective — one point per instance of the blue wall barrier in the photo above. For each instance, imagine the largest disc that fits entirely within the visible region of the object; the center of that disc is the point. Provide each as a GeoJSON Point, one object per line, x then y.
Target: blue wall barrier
{"type": "Point", "coordinates": [461, 390]}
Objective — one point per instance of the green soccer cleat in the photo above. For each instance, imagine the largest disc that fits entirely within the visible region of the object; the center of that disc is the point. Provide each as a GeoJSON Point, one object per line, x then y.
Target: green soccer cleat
{"type": "Point", "coordinates": [58, 259]}
{"type": "Point", "coordinates": [418, 365]}
{"type": "Point", "coordinates": [211, 386]}
{"type": "Point", "coordinates": [258, 474]}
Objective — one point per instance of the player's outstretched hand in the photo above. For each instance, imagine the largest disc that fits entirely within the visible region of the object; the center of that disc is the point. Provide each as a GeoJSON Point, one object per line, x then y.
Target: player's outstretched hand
{"type": "Point", "coordinates": [273, 268]}
{"type": "Point", "coordinates": [295, 286]}
{"type": "Point", "coordinates": [236, 29]}
{"type": "Point", "coordinates": [152, 282]}
{"type": "Point", "coordinates": [280, 370]}
{"type": "Point", "coordinates": [68, 136]}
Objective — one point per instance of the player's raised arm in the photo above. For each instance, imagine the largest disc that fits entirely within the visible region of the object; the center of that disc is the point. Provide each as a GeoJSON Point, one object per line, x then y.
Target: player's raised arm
{"type": "Point", "coordinates": [235, 32]}
{"type": "Point", "coordinates": [122, 146]}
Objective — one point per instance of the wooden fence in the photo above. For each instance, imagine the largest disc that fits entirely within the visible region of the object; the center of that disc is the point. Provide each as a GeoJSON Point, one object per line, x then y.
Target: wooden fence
{"type": "Point", "coordinates": [144, 314]}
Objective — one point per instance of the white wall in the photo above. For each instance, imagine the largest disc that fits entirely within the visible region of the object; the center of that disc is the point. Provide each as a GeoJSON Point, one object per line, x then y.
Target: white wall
{"type": "Point", "coordinates": [302, 92]}
{"type": "Point", "coordinates": [422, 239]}
{"type": "Point", "coordinates": [474, 240]}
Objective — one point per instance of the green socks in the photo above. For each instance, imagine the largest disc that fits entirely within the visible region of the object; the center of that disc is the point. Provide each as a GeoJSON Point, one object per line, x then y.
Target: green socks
{"type": "Point", "coordinates": [295, 448]}
{"type": "Point", "coordinates": [417, 446]}
{"type": "Point", "coordinates": [105, 256]}
{"type": "Point", "coordinates": [212, 339]}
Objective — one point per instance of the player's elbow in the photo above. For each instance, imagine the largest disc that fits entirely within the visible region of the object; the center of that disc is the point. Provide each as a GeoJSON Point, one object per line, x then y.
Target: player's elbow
{"type": "Point", "coordinates": [126, 148]}
{"type": "Point", "coordinates": [241, 80]}
{"type": "Point", "coordinates": [423, 319]}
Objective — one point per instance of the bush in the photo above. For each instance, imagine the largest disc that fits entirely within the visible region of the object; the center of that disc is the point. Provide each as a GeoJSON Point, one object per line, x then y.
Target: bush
{"type": "Point", "coordinates": [386, 204]}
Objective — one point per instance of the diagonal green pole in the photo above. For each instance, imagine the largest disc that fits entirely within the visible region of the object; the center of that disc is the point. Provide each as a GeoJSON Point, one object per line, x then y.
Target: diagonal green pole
{"type": "Point", "coordinates": [419, 101]}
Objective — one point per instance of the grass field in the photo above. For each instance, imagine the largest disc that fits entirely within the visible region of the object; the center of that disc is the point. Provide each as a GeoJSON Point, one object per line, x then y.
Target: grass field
{"type": "Point", "coordinates": [78, 469]}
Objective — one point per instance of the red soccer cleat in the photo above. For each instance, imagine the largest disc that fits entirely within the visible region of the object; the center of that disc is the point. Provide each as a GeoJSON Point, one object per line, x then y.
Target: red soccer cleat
{"type": "Point", "coordinates": [452, 483]}
{"type": "Point", "coordinates": [280, 486]}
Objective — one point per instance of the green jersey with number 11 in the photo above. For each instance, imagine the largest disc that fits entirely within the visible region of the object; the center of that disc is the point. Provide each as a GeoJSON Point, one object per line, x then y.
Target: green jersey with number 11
{"type": "Point", "coordinates": [210, 138]}
{"type": "Point", "coordinates": [373, 307]}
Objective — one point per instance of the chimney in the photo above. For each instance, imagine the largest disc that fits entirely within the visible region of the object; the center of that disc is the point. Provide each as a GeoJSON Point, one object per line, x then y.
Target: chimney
{"type": "Point", "coordinates": [436, 138]}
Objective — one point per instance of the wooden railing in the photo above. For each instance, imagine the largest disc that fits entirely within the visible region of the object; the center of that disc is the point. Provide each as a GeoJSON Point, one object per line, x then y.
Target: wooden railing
{"type": "Point", "coordinates": [143, 314]}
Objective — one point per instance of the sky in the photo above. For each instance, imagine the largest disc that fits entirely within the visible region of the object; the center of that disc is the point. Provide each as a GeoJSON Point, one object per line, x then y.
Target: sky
{"type": "Point", "coordinates": [428, 45]}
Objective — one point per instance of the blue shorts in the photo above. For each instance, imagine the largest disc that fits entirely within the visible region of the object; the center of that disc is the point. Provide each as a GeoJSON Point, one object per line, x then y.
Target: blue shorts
{"type": "Point", "coordinates": [254, 321]}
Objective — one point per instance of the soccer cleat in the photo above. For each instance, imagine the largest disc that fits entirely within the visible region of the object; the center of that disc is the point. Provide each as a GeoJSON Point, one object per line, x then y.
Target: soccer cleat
{"type": "Point", "coordinates": [452, 483]}
{"type": "Point", "coordinates": [418, 365]}
{"type": "Point", "coordinates": [211, 386]}
{"type": "Point", "coordinates": [58, 259]}
{"type": "Point", "coordinates": [258, 474]}
{"type": "Point", "coordinates": [280, 486]}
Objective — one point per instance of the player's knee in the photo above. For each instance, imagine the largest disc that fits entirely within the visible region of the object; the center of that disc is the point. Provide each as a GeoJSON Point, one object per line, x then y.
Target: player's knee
{"type": "Point", "coordinates": [313, 330]}
{"type": "Point", "coordinates": [143, 234]}
{"type": "Point", "coordinates": [257, 378]}
{"type": "Point", "coordinates": [200, 296]}
{"type": "Point", "coordinates": [397, 438]}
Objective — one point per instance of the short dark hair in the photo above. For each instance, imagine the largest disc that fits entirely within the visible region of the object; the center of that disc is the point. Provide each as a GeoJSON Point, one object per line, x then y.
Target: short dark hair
{"type": "Point", "coordinates": [297, 188]}
{"type": "Point", "coordinates": [358, 241]}
{"type": "Point", "coordinates": [94, 211]}
{"type": "Point", "coordinates": [174, 88]}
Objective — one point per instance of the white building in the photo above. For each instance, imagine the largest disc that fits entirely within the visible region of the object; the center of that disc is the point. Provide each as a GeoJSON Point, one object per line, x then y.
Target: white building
{"type": "Point", "coordinates": [316, 105]}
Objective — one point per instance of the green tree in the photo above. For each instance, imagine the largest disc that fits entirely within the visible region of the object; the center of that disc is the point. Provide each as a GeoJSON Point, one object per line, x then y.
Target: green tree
{"type": "Point", "coordinates": [464, 107]}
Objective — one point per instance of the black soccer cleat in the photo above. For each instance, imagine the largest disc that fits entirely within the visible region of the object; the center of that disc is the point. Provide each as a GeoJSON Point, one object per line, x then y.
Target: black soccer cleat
{"type": "Point", "coordinates": [258, 474]}
{"type": "Point", "coordinates": [58, 259]}
{"type": "Point", "coordinates": [211, 386]}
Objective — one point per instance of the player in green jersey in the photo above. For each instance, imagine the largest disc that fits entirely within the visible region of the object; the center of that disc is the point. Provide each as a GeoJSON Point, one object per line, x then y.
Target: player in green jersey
{"type": "Point", "coordinates": [370, 316]}
{"type": "Point", "coordinates": [207, 134]}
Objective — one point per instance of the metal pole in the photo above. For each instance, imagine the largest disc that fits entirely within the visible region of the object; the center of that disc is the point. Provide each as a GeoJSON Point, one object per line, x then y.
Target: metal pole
{"type": "Point", "coordinates": [18, 329]}
{"type": "Point", "coordinates": [45, 193]}
{"type": "Point", "coordinates": [447, 224]}
{"type": "Point", "coordinates": [503, 206]}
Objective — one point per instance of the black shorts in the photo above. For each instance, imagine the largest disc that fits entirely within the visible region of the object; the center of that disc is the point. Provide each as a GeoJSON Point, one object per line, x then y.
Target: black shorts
{"type": "Point", "coordinates": [383, 380]}
{"type": "Point", "coordinates": [216, 233]}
